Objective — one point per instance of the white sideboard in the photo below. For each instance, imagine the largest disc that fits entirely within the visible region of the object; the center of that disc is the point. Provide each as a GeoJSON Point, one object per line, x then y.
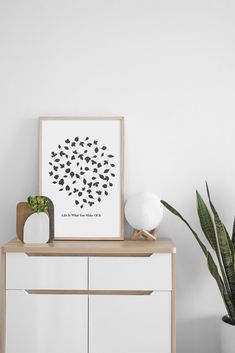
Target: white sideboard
{"type": "Point", "coordinates": [88, 297]}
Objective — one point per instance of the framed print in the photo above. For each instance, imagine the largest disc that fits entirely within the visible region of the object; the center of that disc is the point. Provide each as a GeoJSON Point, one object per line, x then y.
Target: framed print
{"type": "Point", "coordinates": [81, 171]}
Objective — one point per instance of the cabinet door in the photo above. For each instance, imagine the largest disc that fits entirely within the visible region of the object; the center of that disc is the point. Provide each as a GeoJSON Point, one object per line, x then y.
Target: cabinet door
{"type": "Point", "coordinates": [46, 323]}
{"type": "Point", "coordinates": [130, 323]}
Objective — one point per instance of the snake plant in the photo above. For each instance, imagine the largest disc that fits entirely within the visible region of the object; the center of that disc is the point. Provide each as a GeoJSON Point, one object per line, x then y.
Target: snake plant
{"type": "Point", "coordinates": [222, 264]}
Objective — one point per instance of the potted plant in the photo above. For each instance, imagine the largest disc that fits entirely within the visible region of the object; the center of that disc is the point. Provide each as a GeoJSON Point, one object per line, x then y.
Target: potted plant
{"type": "Point", "coordinates": [36, 227]}
{"type": "Point", "coordinates": [221, 266]}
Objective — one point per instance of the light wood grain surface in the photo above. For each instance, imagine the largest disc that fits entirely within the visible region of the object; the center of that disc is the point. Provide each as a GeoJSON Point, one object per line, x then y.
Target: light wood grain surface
{"type": "Point", "coordinates": [3, 334]}
{"type": "Point", "coordinates": [173, 305]}
{"type": "Point", "coordinates": [99, 248]}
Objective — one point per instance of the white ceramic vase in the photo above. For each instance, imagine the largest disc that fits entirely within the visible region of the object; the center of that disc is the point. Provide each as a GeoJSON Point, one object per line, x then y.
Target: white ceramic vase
{"type": "Point", "coordinates": [227, 337]}
{"type": "Point", "coordinates": [36, 228]}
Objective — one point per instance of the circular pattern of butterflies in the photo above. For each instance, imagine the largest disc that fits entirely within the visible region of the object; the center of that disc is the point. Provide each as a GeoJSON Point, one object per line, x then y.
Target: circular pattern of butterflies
{"type": "Point", "coordinates": [83, 169]}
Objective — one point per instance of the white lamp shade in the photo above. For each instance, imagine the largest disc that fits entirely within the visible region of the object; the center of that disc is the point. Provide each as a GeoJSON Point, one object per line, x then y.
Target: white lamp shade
{"type": "Point", "coordinates": [144, 211]}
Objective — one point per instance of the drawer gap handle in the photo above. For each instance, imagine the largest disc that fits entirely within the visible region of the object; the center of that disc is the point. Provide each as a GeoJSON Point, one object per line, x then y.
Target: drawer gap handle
{"type": "Point", "coordinates": [88, 292]}
{"type": "Point", "coordinates": [44, 254]}
{"type": "Point", "coordinates": [37, 254]}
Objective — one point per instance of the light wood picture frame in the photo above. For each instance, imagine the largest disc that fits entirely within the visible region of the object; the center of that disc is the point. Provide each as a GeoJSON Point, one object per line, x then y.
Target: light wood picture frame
{"type": "Point", "coordinates": [81, 169]}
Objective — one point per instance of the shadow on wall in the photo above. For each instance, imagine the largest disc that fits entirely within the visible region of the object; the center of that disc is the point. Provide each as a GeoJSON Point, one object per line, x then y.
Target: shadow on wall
{"type": "Point", "coordinates": [128, 231]}
{"type": "Point", "coordinates": [199, 335]}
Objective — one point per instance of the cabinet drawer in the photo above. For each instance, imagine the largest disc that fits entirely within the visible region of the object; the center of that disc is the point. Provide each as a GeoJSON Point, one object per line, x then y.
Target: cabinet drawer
{"type": "Point", "coordinates": [130, 273]}
{"type": "Point", "coordinates": [46, 272]}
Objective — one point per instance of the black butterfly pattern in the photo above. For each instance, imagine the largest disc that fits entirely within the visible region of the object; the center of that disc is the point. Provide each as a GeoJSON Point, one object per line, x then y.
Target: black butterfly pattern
{"type": "Point", "coordinates": [82, 168]}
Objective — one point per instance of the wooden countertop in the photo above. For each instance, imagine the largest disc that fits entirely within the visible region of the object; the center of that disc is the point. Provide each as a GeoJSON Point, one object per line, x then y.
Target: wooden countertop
{"type": "Point", "coordinates": [93, 248]}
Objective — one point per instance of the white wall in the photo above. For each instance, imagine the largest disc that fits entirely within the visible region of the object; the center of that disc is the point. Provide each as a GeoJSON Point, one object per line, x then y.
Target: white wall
{"type": "Point", "coordinates": [168, 66]}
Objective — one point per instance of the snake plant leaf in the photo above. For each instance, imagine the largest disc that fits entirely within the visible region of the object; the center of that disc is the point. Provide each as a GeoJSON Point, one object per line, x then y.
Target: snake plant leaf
{"type": "Point", "coordinates": [176, 213]}
{"type": "Point", "coordinates": [206, 222]}
{"type": "Point", "coordinates": [225, 248]}
{"type": "Point", "coordinates": [230, 245]}
{"type": "Point", "coordinates": [225, 279]}
{"type": "Point", "coordinates": [215, 273]}
{"type": "Point", "coordinates": [208, 228]}
{"type": "Point", "coordinates": [233, 235]}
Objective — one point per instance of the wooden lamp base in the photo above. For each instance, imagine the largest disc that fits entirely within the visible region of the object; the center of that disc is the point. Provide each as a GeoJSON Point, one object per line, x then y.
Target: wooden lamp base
{"type": "Point", "coordinates": [141, 233]}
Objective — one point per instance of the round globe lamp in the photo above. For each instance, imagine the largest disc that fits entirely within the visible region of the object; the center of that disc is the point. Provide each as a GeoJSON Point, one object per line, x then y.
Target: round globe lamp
{"type": "Point", "coordinates": [144, 213]}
